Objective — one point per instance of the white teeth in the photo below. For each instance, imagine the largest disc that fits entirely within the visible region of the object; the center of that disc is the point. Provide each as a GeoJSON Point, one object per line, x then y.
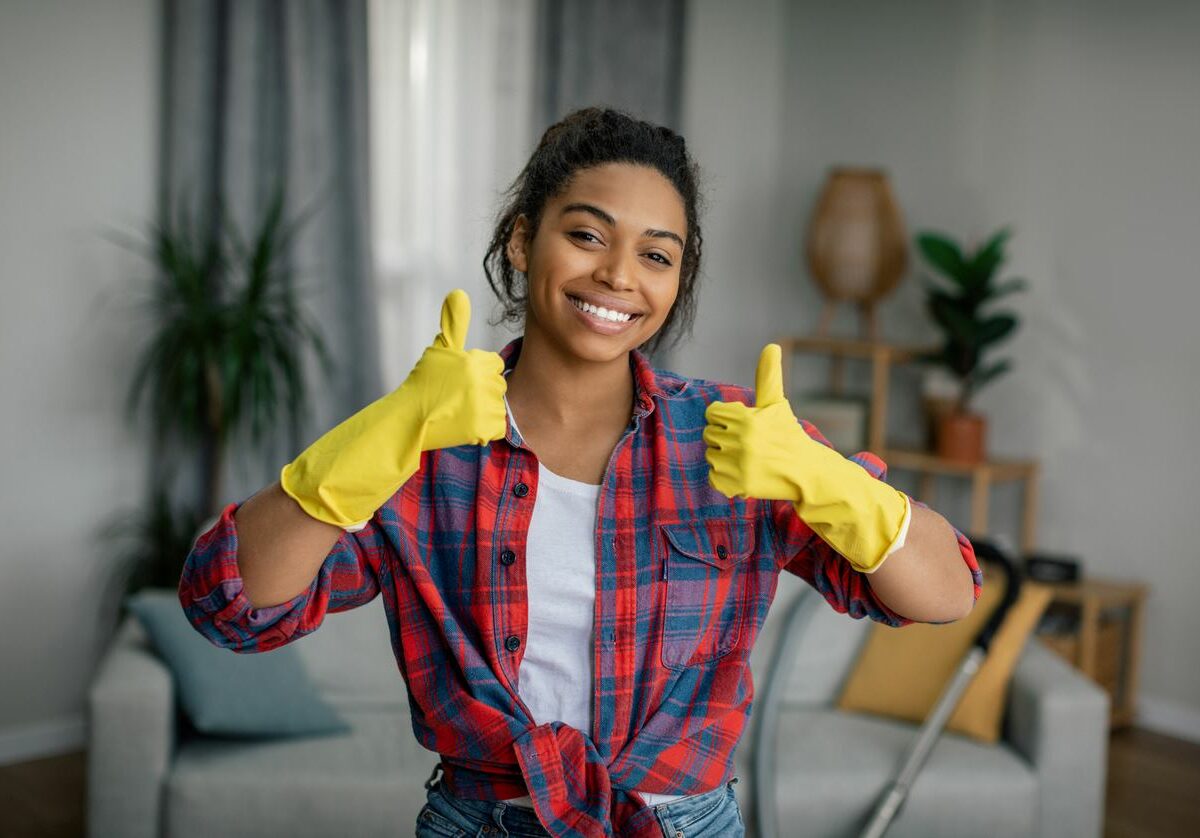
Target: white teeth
{"type": "Point", "coordinates": [614, 316]}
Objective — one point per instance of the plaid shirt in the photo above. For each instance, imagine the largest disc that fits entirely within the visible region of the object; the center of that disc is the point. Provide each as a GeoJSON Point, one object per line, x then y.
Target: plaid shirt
{"type": "Point", "coordinates": [684, 578]}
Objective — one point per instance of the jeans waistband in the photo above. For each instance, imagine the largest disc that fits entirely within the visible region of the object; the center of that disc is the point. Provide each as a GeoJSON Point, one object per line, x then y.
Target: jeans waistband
{"type": "Point", "coordinates": [525, 815]}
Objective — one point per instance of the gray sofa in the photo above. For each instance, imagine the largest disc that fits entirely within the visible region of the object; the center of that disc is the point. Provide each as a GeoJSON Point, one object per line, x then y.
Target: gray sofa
{"type": "Point", "coordinates": [1045, 777]}
{"type": "Point", "coordinates": [146, 777]}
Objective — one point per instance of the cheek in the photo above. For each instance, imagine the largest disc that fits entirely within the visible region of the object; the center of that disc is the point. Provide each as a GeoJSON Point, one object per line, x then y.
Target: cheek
{"type": "Point", "coordinates": [668, 296]}
{"type": "Point", "coordinates": [558, 257]}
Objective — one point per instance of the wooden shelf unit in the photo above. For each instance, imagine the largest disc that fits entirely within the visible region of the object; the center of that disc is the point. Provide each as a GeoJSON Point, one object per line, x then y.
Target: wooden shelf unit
{"type": "Point", "coordinates": [882, 356]}
{"type": "Point", "coordinates": [1105, 644]}
{"type": "Point", "coordinates": [982, 476]}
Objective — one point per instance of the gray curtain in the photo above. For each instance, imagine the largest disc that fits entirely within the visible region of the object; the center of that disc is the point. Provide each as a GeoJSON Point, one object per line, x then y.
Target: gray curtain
{"type": "Point", "coordinates": [626, 54]}
{"type": "Point", "coordinates": [255, 92]}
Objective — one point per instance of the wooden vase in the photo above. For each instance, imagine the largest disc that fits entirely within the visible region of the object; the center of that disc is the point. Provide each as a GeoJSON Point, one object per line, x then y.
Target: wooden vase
{"type": "Point", "coordinates": [962, 437]}
{"type": "Point", "coordinates": [856, 247]}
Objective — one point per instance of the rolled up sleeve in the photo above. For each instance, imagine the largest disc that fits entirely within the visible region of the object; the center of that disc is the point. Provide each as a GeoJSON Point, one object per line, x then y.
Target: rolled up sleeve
{"type": "Point", "coordinates": [215, 602]}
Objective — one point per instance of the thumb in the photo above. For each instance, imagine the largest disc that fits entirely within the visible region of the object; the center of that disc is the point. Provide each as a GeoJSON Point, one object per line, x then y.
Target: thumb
{"type": "Point", "coordinates": [768, 380]}
{"type": "Point", "coordinates": [456, 318]}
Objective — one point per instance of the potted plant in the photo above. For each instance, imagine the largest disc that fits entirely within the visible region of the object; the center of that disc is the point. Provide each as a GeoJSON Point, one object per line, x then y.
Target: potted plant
{"type": "Point", "coordinates": [225, 356]}
{"type": "Point", "coordinates": [968, 285]}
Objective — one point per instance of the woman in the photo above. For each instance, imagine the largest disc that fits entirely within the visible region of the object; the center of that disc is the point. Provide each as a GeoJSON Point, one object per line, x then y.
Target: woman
{"type": "Point", "coordinates": [576, 550]}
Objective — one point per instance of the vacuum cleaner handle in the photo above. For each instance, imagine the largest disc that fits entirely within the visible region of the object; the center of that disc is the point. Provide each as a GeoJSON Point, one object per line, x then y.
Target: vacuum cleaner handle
{"type": "Point", "coordinates": [986, 550]}
{"type": "Point", "coordinates": [892, 800]}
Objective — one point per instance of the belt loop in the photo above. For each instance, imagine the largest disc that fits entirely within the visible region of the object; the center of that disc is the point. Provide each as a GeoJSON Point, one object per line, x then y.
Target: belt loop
{"type": "Point", "coordinates": [430, 782]}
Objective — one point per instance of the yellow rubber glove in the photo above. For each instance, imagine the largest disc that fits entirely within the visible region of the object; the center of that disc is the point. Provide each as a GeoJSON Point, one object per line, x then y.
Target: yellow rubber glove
{"type": "Point", "coordinates": [451, 397]}
{"type": "Point", "coordinates": [764, 452]}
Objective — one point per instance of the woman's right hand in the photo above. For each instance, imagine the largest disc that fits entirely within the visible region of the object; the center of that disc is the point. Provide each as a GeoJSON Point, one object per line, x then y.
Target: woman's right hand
{"type": "Point", "coordinates": [451, 397]}
{"type": "Point", "coordinates": [460, 391]}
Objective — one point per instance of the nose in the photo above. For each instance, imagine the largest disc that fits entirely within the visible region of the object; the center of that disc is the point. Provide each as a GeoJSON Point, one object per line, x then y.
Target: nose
{"type": "Point", "coordinates": [615, 271]}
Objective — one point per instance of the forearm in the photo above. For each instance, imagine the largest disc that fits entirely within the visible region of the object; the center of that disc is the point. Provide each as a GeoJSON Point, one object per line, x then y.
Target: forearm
{"type": "Point", "coordinates": [280, 547]}
{"type": "Point", "coordinates": [926, 579]}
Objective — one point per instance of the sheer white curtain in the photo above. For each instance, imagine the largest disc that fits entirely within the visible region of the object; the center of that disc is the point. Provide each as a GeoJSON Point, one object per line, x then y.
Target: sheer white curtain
{"type": "Point", "coordinates": [451, 97]}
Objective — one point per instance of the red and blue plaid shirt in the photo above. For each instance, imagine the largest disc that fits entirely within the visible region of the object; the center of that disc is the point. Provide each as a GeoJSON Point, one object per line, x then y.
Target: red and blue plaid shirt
{"type": "Point", "coordinates": [684, 578]}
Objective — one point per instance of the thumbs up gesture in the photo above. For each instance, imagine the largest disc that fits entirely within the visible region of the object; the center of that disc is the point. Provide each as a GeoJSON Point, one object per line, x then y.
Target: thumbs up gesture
{"type": "Point", "coordinates": [764, 452]}
{"type": "Point", "coordinates": [451, 397]}
{"type": "Point", "coordinates": [460, 392]}
{"type": "Point", "coordinates": [753, 451]}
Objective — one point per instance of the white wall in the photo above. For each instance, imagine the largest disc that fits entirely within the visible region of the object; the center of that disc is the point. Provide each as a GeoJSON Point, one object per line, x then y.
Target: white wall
{"type": "Point", "coordinates": [1077, 123]}
{"type": "Point", "coordinates": [1091, 144]}
{"type": "Point", "coordinates": [78, 106]}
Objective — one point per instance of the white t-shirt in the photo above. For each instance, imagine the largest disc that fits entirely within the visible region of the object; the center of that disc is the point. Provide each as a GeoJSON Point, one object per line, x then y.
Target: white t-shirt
{"type": "Point", "coordinates": [555, 676]}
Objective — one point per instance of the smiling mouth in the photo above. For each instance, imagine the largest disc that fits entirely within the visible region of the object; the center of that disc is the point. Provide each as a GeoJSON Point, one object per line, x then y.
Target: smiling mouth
{"type": "Point", "coordinates": [602, 313]}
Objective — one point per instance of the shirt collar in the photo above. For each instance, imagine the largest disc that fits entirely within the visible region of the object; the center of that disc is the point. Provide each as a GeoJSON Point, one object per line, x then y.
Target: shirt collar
{"type": "Point", "coordinates": [648, 383]}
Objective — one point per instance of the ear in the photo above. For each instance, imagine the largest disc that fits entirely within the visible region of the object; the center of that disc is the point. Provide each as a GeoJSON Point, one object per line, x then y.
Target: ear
{"type": "Point", "coordinates": [518, 244]}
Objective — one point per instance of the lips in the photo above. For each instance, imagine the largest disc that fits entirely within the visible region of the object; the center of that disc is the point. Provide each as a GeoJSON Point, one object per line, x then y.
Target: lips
{"type": "Point", "coordinates": [600, 319]}
{"type": "Point", "coordinates": [610, 313]}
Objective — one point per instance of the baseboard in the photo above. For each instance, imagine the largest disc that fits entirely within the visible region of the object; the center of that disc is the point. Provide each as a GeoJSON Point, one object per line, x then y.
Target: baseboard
{"type": "Point", "coordinates": [44, 739]}
{"type": "Point", "coordinates": [1170, 717]}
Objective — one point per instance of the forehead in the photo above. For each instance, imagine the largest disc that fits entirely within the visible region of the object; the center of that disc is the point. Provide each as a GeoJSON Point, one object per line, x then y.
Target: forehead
{"type": "Point", "coordinates": [636, 196]}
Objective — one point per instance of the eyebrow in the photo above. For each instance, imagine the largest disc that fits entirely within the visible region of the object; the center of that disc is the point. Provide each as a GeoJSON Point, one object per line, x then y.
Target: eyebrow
{"type": "Point", "coordinates": [612, 222]}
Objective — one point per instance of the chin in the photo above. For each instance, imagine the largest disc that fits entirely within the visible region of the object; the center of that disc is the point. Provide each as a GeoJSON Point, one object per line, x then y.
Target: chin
{"type": "Point", "coordinates": [601, 349]}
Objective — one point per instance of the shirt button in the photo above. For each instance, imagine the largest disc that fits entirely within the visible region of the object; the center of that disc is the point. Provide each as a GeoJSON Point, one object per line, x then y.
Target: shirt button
{"type": "Point", "coordinates": [512, 643]}
{"type": "Point", "coordinates": [721, 551]}
{"type": "Point", "coordinates": [508, 557]}
{"type": "Point", "coordinates": [520, 490]}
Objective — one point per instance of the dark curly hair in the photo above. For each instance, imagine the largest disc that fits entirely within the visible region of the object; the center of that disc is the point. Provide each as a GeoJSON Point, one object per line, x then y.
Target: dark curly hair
{"type": "Point", "coordinates": [582, 139]}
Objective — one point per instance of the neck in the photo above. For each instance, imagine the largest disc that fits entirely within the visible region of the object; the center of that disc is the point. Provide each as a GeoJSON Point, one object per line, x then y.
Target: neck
{"type": "Point", "coordinates": [566, 390]}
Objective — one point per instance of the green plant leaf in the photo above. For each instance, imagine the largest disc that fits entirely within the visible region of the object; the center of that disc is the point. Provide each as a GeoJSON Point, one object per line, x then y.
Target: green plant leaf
{"type": "Point", "coordinates": [987, 258]}
{"type": "Point", "coordinates": [996, 328]}
{"type": "Point", "coordinates": [941, 252]}
{"type": "Point", "coordinates": [987, 374]}
{"type": "Point", "coordinates": [947, 311]}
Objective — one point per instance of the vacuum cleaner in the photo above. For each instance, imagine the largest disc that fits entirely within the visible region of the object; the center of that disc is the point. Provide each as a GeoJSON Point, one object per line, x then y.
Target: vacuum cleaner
{"type": "Point", "coordinates": [891, 801]}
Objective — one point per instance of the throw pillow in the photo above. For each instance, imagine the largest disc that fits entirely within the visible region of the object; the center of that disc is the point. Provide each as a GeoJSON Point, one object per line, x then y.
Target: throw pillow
{"type": "Point", "coordinates": [227, 693]}
{"type": "Point", "coordinates": [902, 672]}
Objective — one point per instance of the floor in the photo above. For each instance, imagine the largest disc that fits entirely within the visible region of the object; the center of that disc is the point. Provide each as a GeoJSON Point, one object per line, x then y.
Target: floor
{"type": "Point", "coordinates": [1153, 790]}
{"type": "Point", "coordinates": [1153, 786]}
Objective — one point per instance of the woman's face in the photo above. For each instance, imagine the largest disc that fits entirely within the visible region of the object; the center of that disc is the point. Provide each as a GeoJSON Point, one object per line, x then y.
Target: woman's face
{"type": "Point", "coordinates": [603, 268]}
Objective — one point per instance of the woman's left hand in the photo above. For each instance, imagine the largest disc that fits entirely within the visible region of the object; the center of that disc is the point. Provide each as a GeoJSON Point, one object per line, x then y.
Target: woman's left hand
{"type": "Point", "coordinates": [764, 452]}
{"type": "Point", "coordinates": [755, 451]}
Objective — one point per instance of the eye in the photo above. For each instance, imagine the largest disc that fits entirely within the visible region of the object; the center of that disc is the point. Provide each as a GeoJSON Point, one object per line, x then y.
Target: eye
{"type": "Point", "coordinates": [579, 234]}
{"type": "Point", "coordinates": [660, 258]}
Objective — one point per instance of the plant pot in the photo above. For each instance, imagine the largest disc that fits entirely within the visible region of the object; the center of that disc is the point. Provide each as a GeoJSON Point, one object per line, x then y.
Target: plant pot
{"type": "Point", "coordinates": [961, 437]}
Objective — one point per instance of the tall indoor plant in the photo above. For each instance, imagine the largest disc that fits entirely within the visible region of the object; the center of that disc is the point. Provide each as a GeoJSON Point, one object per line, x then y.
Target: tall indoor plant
{"type": "Point", "coordinates": [225, 357]}
{"type": "Point", "coordinates": [968, 285]}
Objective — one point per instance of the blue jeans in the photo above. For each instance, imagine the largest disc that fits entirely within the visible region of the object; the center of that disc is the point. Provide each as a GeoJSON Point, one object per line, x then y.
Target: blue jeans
{"type": "Point", "coordinates": [710, 814]}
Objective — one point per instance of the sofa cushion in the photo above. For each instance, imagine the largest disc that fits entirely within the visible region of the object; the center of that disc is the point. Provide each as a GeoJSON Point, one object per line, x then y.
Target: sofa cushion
{"type": "Point", "coordinates": [902, 672]}
{"type": "Point", "coordinates": [228, 693]}
{"type": "Point", "coordinates": [841, 762]}
{"type": "Point", "coordinates": [367, 782]}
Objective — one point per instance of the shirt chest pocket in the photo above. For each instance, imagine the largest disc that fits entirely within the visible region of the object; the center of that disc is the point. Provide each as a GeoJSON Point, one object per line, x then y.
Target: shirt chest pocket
{"type": "Point", "coordinates": [704, 567]}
